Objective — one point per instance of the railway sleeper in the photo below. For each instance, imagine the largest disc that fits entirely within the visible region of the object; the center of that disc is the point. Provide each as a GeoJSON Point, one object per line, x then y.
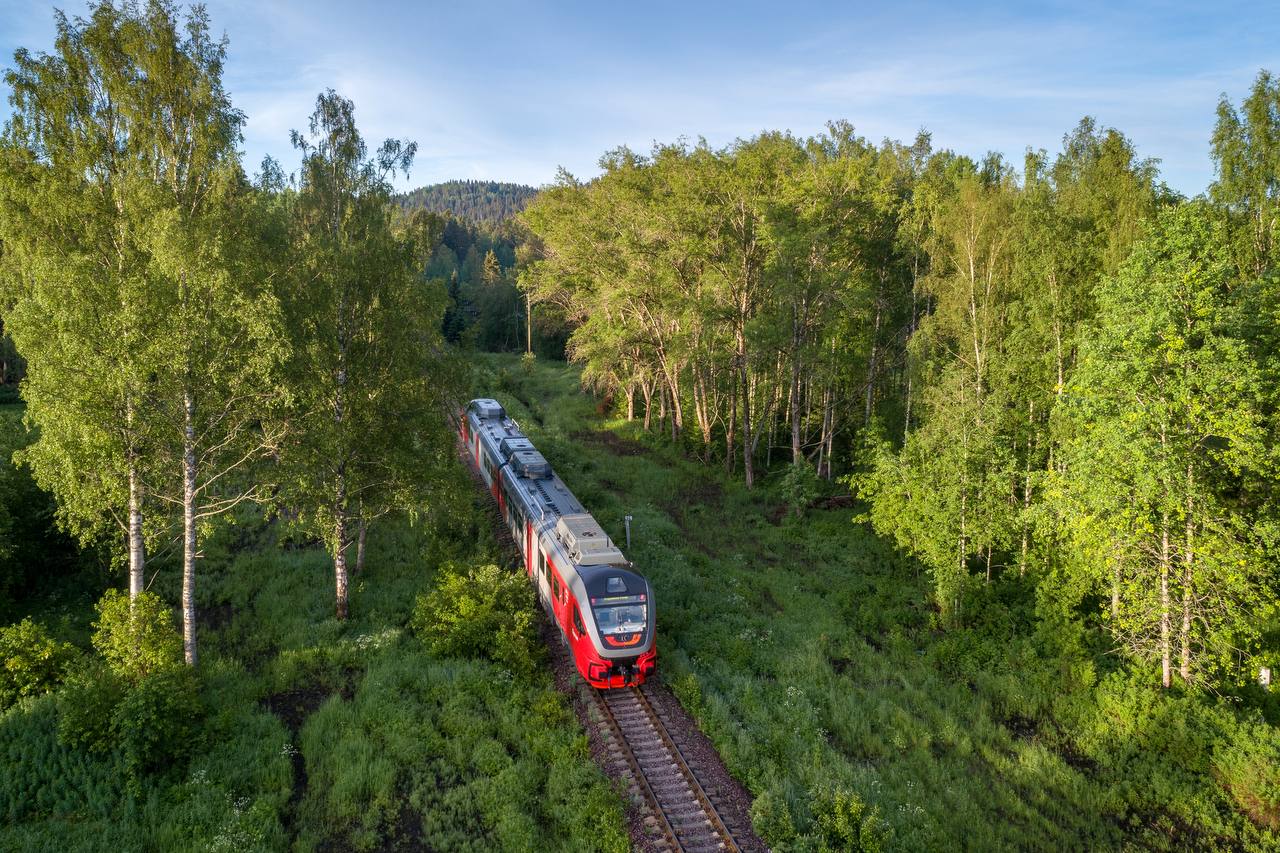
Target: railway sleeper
{"type": "Point", "coordinates": [688, 814]}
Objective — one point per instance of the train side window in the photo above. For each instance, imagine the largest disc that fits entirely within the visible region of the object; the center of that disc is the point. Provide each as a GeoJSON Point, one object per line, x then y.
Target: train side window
{"type": "Point", "coordinates": [555, 583]}
{"type": "Point", "coordinates": [577, 622]}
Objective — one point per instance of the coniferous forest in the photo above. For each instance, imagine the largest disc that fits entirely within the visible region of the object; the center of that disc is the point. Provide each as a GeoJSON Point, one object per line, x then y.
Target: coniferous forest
{"type": "Point", "coordinates": [472, 201]}
{"type": "Point", "coordinates": [955, 477]}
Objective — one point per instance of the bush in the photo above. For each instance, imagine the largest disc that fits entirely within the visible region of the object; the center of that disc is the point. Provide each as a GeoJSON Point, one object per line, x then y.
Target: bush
{"type": "Point", "coordinates": [800, 486]}
{"type": "Point", "coordinates": [85, 705]}
{"type": "Point", "coordinates": [1249, 768]}
{"type": "Point", "coordinates": [845, 822]}
{"type": "Point", "coordinates": [152, 724]}
{"type": "Point", "coordinates": [136, 638]}
{"type": "Point", "coordinates": [771, 817]}
{"type": "Point", "coordinates": [486, 612]}
{"type": "Point", "coordinates": [157, 721]}
{"type": "Point", "coordinates": [31, 662]}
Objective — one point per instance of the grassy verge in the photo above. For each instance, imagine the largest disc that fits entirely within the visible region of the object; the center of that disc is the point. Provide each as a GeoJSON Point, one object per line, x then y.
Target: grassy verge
{"type": "Point", "coordinates": [321, 735]}
{"type": "Point", "coordinates": [807, 653]}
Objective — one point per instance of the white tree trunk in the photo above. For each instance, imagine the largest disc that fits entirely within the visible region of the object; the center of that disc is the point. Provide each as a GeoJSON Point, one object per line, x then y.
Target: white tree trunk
{"type": "Point", "coordinates": [137, 546]}
{"type": "Point", "coordinates": [1166, 669]}
{"type": "Point", "coordinates": [340, 547]}
{"type": "Point", "coordinates": [1188, 564]}
{"type": "Point", "coordinates": [188, 530]}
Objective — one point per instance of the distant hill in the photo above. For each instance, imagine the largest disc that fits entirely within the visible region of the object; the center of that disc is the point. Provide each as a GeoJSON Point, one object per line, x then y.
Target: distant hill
{"type": "Point", "coordinates": [476, 201]}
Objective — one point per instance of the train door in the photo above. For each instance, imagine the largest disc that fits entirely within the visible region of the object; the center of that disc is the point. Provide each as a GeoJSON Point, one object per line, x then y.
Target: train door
{"type": "Point", "coordinates": [540, 576]}
{"type": "Point", "coordinates": [528, 547]}
{"type": "Point", "coordinates": [544, 582]}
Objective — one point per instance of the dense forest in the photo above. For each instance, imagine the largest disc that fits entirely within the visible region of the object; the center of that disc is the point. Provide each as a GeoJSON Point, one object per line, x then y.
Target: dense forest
{"type": "Point", "coordinates": [1067, 373]}
{"type": "Point", "coordinates": [955, 477]}
{"type": "Point", "coordinates": [474, 201]}
{"type": "Point", "coordinates": [477, 265]}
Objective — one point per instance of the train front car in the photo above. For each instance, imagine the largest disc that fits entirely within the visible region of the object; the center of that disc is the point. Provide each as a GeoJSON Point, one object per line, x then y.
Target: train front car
{"type": "Point", "coordinates": [603, 608]}
{"type": "Point", "coordinates": [620, 651]}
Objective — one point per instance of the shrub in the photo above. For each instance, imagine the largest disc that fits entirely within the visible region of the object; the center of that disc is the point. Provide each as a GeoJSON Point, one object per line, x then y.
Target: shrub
{"type": "Point", "coordinates": [157, 721]}
{"type": "Point", "coordinates": [31, 662]}
{"type": "Point", "coordinates": [800, 486]}
{"type": "Point", "coordinates": [845, 822]}
{"type": "Point", "coordinates": [771, 817]}
{"type": "Point", "coordinates": [85, 705]}
{"type": "Point", "coordinates": [486, 612]}
{"type": "Point", "coordinates": [152, 724]}
{"type": "Point", "coordinates": [136, 638]}
{"type": "Point", "coordinates": [527, 362]}
{"type": "Point", "coordinates": [1249, 767]}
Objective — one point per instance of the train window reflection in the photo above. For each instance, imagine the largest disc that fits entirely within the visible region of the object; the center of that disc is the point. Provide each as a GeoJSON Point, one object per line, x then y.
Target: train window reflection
{"type": "Point", "coordinates": [626, 619]}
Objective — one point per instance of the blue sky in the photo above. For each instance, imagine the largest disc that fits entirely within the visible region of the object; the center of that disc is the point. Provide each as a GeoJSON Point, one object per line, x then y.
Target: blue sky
{"type": "Point", "coordinates": [511, 91]}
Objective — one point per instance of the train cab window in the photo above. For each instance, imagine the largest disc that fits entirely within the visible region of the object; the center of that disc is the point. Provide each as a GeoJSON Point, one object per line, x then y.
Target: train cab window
{"type": "Point", "coordinates": [623, 619]}
{"type": "Point", "coordinates": [577, 623]}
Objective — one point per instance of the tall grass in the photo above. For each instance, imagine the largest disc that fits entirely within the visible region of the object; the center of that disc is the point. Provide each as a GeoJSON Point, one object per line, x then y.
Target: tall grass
{"type": "Point", "coordinates": [324, 735]}
{"type": "Point", "coordinates": [807, 652]}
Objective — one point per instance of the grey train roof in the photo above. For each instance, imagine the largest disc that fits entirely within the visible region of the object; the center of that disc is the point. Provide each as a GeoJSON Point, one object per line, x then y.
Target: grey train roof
{"type": "Point", "coordinates": [545, 495]}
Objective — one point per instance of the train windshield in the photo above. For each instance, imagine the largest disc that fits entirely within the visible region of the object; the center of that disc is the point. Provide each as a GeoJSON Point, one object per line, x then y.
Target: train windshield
{"type": "Point", "coordinates": [621, 619]}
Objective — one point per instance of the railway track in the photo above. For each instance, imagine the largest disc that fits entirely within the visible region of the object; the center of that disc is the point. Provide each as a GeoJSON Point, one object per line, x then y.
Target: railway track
{"type": "Point", "coordinates": [683, 812]}
{"type": "Point", "coordinates": [674, 804]}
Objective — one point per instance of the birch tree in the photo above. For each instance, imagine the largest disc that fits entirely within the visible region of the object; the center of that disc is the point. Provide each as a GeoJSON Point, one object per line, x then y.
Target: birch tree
{"type": "Point", "coordinates": [373, 388]}
{"type": "Point", "coordinates": [79, 298]}
{"type": "Point", "coordinates": [221, 330]}
{"type": "Point", "coordinates": [1165, 416]}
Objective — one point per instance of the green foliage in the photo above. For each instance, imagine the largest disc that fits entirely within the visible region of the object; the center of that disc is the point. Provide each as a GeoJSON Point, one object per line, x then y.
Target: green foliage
{"type": "Point", "coordinates": [771, 817]}
{"type": "Point", "coordinates": [31, 662]}
{"type": "Point", "coordinates": [32, 549]}
{"type": "Point", "coordinates": [152, 724]}
{"type": "Point", "coordinates": [809, 655]}
{"type": "Point", "coordinates": [364, 337]}
{"type": "Point", "coordinates": [85, 708]}
{"type": "Point", "coordinates": [474, 201]}
{"type": "Point", "coordinates": [845, 823]}
{"type": "Point", "coordinates": [481, 612]}
{"type": "Point", "coordinates": [799, 487]}
{"type": "Point", "coordinates": [1248, 765]}
{"type": "Point", "coordinates": [136, 638]}
{"type": "Point", "coordinates": [473, 760]}
{"type": "Point", "coordinates": [1165, 424]}
{"type": "Point", "coordinates": [156, 723]}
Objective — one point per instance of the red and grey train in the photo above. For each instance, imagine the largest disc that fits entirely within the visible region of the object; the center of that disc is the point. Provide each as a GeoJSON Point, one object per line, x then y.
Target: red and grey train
{"type": "Point", "coordinates": [592, 593]}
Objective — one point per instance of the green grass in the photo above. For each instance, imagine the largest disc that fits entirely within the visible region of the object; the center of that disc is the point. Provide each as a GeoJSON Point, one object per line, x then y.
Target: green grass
{"type": "Point", "coordinates": [400, 749]}
{"type": "Point", "coordinates": [805, 649]}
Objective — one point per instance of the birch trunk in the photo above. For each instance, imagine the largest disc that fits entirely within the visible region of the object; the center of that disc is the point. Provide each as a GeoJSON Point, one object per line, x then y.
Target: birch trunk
{"type": "Point", "coordinates": [360, 537]}
{"type": "Point", "coordinates": [1166, 669]}
{"type": "Point", "coordinates": [189, 529]}
{"type": "Point", "coordinates": [137, 547]}
{"type": "Point", "coordinates": [1188, 563]}
{"type": "Point", "coordinates": [797, 451]}
{"type": "Point", "coordinates": [871, 365]}
{"type": "Point", "coordinates": [747, 444]}
{"type": "Point", "coordinates": [340, 546]}
{"type": "Point", "coordinates": [732, 422]}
